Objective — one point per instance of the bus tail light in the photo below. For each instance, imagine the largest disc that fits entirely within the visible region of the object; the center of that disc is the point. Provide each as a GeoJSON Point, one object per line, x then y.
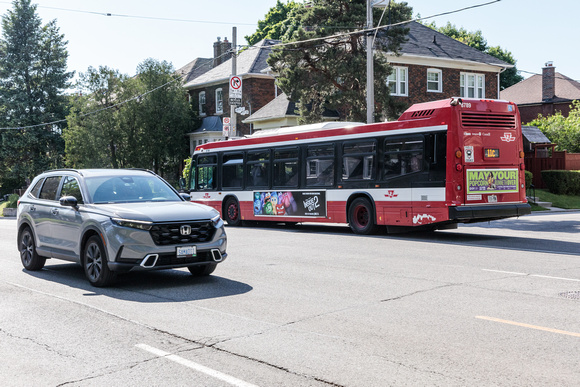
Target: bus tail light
{"type": "Point", "coordinates": [458, 154]}
{"type": "Point", "coordinates": [458, 167]}
{"type": "Point", "coordinates": [522, 154]}
{"type": "Point", "coordinates": [458, 187]}
{"type": "Point", "coordinates": [522, 166]}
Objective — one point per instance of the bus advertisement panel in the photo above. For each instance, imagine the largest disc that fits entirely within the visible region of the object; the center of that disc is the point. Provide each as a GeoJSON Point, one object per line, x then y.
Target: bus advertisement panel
{"type": "Point", "coordinates": [290, 203]}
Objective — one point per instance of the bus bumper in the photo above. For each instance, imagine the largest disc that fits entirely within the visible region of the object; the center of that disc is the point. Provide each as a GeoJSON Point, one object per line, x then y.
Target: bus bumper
{"type": "Point", "coordinates": [488, 212]}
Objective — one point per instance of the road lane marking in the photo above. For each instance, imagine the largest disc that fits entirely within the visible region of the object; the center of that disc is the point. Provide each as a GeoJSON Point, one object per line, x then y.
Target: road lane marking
{"type": "Point", "coordinates": [524, 325]}
{"type": "Point", "coordinates": [195, 366]}
{"type": "Point", "coordinates": [533, 275]}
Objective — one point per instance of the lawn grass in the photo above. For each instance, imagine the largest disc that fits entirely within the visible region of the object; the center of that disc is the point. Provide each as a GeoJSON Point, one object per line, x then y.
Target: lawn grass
{"type": "Point", "coordinates": [568, 202]}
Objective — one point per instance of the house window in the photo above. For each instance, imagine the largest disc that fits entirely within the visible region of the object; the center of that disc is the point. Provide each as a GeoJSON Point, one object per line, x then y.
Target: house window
{"type": "Point", "coordinates": [202, 103]}
{"type": "Point", "coordinates": [219, 101]}
{"type": "Point", "coordinates": [398, 82]}
{"type": "Point", "coordinates": [434, 80]}
{"type": "Point", "coordinates": [472, 85]}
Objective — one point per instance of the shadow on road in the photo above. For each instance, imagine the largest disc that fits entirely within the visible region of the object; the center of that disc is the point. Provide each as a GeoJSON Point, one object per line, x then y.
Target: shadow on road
{"type": "Point", "coordinates": [152, 286]}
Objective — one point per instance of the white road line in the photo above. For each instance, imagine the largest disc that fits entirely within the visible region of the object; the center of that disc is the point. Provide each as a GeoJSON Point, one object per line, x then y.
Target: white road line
{"type": "Point", "coordinates": [533, 275]}
{"type": "Point", "coordinates": [197, 367]}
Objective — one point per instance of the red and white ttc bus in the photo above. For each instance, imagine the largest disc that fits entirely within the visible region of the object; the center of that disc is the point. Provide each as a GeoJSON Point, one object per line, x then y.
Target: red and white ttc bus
{"type": "Point", "coordinates": [441, 163]}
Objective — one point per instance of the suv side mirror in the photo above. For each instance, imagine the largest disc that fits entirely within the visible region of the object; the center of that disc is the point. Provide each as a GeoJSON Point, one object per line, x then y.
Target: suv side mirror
{"type": "Point", "coordinates": [69, 201]}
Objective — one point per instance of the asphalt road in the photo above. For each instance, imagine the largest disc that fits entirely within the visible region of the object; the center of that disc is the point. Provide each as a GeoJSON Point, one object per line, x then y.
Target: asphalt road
{"type": "Point", "coordinates": [493, 304]}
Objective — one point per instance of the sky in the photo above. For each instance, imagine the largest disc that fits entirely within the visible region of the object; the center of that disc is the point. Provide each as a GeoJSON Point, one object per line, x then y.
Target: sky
{"type": "Point", "coordinates": [178, 31]}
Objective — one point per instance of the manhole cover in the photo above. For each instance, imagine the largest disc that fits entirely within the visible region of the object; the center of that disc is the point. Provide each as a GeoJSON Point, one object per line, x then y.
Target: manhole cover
{"type": "Point", "coordinates": [572, 295]}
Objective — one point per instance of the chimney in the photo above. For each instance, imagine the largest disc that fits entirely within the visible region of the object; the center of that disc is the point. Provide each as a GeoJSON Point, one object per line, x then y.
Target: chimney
{"type": "Point", "coordinates": [548, 81]}
{"type": "Point", "coordinates": [220, 51]}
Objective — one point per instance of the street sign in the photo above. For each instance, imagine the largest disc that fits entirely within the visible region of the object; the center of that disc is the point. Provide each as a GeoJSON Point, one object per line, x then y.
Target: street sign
{"type": "Point", "coordinates": [226, 120]}
{"type": "Point", "coordinates": [235, 98]}
{"type": "Point", "coordinates": [226, 131]}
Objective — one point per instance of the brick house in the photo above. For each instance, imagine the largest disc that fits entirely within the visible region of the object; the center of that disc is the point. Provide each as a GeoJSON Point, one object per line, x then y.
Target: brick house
{"type": "Point", "coordinates": [543, 94]}
{"type": "Point", "coordinates": [209, 92]}
{"type": "Point", "coordinates": [431, 66]}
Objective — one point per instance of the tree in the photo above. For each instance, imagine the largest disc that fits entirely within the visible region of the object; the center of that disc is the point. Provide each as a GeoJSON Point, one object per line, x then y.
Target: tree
{"type": "Point", "coordinates": [124, 122]}
{"type": "Point", "coordinates": [564, 131]}
{"type": "Point", "coordinates": [476, 40]}
{"type": "Point", "coordinates": [331, 73]}
{"type": "Point", "coordinates": [274, 24]}
{"type": "Point", "coordinates": [95, 137]}
{"type": "Point", "coordinates": [33, 79]}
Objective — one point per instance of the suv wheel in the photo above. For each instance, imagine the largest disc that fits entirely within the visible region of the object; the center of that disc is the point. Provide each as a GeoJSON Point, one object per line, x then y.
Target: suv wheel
{"type": "Point", "coordinates": [94, 262]}
{"type": "Point", "coordinates": [30, 259]}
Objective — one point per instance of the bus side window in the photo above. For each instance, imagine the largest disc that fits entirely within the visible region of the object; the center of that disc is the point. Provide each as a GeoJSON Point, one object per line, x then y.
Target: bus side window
{"type": "Point", "coordinates": [285, 167]}
{"type": "Point", "coordinates": [258, 164]}
{"type": "Point", "coordinates": [320, 165]}
{"type": "Point", "coordinates": [358, 161]}
{"type": "Point", "coordinates": [403, 156]}
{"type": "Point", "coordinates": [206, 172]}
{"type": "Point", "coordinates": [232, 170]}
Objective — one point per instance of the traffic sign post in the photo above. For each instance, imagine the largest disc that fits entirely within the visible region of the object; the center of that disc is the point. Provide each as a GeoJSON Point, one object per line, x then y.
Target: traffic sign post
{"type": "Point", "coordinates": [235, 90]}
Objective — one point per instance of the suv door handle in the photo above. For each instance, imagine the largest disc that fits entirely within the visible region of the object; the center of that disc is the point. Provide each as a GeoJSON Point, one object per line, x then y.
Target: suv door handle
{"type": "Point", "coordinates": [55, 211]}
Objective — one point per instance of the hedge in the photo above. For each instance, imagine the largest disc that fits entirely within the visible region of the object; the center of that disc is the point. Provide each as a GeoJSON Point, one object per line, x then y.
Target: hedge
{"type": "Point", "coordinates": [12, 201]}
{"type": "Point", "coordinates": [562, 182]}
{"type": "Point", "coordinates": [529, 178]}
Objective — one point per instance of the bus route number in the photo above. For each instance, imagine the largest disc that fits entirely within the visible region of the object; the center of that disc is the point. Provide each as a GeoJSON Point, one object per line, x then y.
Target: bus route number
{"type": "Point", "coordinates": [466, 105]}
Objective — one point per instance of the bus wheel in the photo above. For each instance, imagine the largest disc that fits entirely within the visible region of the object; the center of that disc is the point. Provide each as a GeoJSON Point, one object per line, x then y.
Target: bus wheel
{"type": "Point", "coordinates": [361, 217]}
{"type": "Point", "coordinates": [232, 212]}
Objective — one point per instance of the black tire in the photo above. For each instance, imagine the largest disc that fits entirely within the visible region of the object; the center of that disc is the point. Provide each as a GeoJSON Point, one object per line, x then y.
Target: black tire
{"type": "Point", "coordinates": [232, 214]}
{"type": "Point", "coordinates": [28, 255]}
{"type": "Point", "coordinates": [361, 217]}
{"type": "Point", "coordinates": [202, 270]}
{"type": "Point", "coordinates": [94, 263]}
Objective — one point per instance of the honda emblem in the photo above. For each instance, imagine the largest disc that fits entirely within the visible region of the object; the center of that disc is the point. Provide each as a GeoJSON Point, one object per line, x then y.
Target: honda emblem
{"type": "Point", "coordinates": [185, 230]}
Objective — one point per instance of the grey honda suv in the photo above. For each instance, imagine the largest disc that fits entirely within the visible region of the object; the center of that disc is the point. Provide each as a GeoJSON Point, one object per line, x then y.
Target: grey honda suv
{"type": "Point", "coordinates": [116, 220]}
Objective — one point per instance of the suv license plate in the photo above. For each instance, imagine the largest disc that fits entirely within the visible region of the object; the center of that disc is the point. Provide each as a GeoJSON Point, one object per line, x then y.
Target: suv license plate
{"type": "Point", "coordinates": [186, 251]}
{"type": "Point", "coordinates": [492, 199]}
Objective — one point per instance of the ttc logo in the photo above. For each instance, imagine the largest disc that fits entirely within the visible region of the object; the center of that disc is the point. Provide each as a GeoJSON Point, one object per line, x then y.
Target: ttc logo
{"type": "Point", "coordinates": [391, 194]}
{"type": "Point", "coordinates": [508, 137]}
{"type": "Point", "coordinates": [206, 196]}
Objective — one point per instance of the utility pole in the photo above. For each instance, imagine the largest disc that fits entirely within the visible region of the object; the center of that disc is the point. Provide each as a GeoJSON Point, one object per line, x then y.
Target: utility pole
{"type": "Point", "coordinates": [233, 118]}
{"type": "Point", "coordinates": [370, 67]}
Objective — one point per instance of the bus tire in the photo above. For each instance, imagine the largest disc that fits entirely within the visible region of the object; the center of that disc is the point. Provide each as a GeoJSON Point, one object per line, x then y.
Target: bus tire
{"type": "Point", "coordinates": [232, 213]}
{"type": "Point", "coordinates": [361, 217]}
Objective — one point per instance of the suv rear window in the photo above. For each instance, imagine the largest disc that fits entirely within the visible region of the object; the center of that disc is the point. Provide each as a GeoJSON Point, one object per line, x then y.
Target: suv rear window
{"type": "Point", "coordinates": [49, 188]}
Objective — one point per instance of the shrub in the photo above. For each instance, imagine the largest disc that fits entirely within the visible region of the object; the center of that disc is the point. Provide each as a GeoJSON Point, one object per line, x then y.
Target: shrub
{"type": "Point", "coordinates": [529, 179]}
{"type": "Point", "coordinates": [562, 182]}
{"type": "Point", "coordinates": [12, 201]}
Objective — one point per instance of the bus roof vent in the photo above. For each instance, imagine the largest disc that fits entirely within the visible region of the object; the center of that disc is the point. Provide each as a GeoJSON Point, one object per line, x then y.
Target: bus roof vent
{"type": "Point", "coordinates": [488, 120]}
{"type": "Point", "coordinates": [422, 113]}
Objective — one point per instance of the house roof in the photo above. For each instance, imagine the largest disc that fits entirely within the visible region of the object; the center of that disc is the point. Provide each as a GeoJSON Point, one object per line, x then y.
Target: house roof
{"type": "Point", "coordinates": [195, 68]}
{"type": "Point", "coordinates": [529, 91]}
{"type": "Point", "coordinates": [423, 41]}
{"type": "Point", "coordinates": [249, 61]}
{"type": "Point", "coordinates": [534, 135]}
{"type": "Point", "coordinates": [210, 124]}
{"type": "Point", "coordinates": [281, 107]}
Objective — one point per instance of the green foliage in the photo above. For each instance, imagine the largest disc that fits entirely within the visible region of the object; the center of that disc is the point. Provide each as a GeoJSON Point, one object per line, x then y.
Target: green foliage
{"type": "Point", "coordinates": [275, 23]}
{"type": "Point", "coordinates": [144, 132]}
{"type": "Point", "coordinates": [12, 201]}
{"type": "Point", "coordinates": [332, 73]}
{"type": "Point", "coordinates": [476, 40]}
{"type": "Point", "coordinates": [562, 182]}
{"type": "Point", "coordinates": [564, 131]}
{"type": "Point", "coordinates": [33, 79]}
{"type": "Point", "coordinates": [529, 177]}
{"type": "Point", "coordinates": [186, 171]}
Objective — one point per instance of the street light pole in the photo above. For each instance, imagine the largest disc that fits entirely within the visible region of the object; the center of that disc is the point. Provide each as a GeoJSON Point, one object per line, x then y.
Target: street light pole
{"type": "Point", "coordinates": [370, 67]}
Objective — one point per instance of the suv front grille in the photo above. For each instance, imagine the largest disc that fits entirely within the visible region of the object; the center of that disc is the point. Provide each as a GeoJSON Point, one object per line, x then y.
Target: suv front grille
{"type": "Point", "coordinates": [170, 233]}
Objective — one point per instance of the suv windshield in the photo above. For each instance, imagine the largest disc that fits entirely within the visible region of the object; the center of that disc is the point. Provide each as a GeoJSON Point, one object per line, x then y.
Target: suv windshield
{"type": "Point", "coordinates": [124, 189]}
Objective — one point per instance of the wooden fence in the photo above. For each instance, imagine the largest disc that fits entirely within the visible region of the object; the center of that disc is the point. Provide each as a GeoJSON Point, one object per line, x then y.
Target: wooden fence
{"type": "Point", "coordinates": [536, 162]}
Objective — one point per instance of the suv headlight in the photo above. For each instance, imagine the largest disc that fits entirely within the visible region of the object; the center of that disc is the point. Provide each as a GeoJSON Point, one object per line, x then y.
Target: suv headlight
{"type": "Point", "coordinates": [217, 221]}
{"type": "Point", "coordinates": [140, 224]}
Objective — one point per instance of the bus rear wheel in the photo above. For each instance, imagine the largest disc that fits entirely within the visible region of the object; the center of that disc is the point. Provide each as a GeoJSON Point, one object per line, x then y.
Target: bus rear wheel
{"type": "Point", "coordinates": [361, 217]}
{"type": "Point", "coordinates": [232, 212]}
